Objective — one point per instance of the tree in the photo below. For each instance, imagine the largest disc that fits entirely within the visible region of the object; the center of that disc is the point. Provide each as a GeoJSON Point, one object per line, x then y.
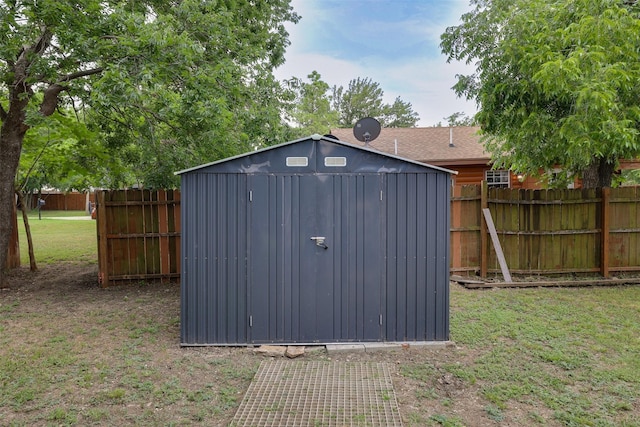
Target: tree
{"type": "Point", "coordinates": [61, 153]}
{"type": "Point", "coordinates": [459, 119]}
{"type": "Point", "coordinates": [364, 98]}
{"type": "Point", "coordinates": [178, 81]}
{"type": "Point", "coordinates": [556, 82]}
{"type": "Point", "coordinates": [400, 114]}
{"type": "Point", "coordinates": [316, 108]}
{"type": "Point", "coordinates": [312, 110]}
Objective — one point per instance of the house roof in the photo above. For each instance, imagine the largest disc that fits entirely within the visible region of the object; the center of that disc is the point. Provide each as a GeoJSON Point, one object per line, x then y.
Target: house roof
{"type": "Point", "coordinates": [459, 145]}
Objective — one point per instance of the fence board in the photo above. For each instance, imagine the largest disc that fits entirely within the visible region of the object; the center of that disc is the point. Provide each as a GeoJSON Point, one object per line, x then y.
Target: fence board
{"type": "Point", "coordinates": [62, 201]}
{"type": "Point", "coordinates": [465, 229]}
{"type": "Point", "coordinates": [541, 232]}
{"type": "Point", "coordinates": [138, 235]}
{"type": "Point", "coordinates": [624, 242]}
{"type": "Point", "coordinates": [552, 232]}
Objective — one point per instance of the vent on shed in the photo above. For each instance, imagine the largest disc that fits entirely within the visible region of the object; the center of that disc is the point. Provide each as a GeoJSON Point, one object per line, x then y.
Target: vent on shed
{"type": "Point", "coordinates": [335, 161]}
{"type": "Point", "coordinates": [297, 161]}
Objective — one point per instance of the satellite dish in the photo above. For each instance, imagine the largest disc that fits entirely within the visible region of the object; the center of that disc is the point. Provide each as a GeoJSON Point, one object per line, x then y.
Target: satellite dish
{"type": "Point", "coordinates": [366, 130]}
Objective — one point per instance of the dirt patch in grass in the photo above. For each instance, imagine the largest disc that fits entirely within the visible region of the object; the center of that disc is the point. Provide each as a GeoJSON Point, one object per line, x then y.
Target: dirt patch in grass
{"type": "Point", "coordinates": [72, 353]}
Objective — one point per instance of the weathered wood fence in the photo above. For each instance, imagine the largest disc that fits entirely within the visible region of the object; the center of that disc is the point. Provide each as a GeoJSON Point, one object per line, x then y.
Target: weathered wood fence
{"type": "Point", "coordinates": [62, 201]}
{"type": "Point", "coordinates": [547, 231]}
{"type": "Point", "coordinates": [138, 235]}
{"type": "Point", "coordinates": [541, 232]}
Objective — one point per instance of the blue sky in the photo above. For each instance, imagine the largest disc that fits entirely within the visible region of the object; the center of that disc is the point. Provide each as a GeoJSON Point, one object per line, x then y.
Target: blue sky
{"type": "Point", "coordinates": [393, 42]}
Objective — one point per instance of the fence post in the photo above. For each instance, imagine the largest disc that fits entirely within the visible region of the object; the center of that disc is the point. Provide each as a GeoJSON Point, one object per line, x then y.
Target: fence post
{"type": "Point", "coordinates": [101, 219]}
{"type": "Point", "coordinates": [163, 230]}
{"type": "Point", "coordinates": [483, 229]}
{"type": "Point", "coordinates": [604, 238]}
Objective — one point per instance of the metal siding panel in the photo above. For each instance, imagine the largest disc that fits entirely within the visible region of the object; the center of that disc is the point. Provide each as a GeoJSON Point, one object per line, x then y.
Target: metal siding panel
{"type": "Point", "coordinates": [296, 273]}
{"type": "Point", "coordinates": [323, 259]}
{"type": "Point", "coordinates": [401, 272]}
{"type": "Point", "coordinates": [231, 258]}
{"type": "Point", "coordinates": [351, 247]}
{"type": "Point", "coordinates": [258, 258]}
{"type": "Point", "coordinates": [443, 251]}
{"type": "Point", "coordinates": [239, 328]}
{"type": "Point", "coordinates": [307, 285]}
{"type": "Point", "coordinates": [272, 256]}
{"type": "Point", "coordinates": [422, 245]}
{"type": "Point", "coordinates": [359, 260]}
{"type": "Point", "coordinates": [411, 223]}
{"type": "Point", "coordinates": [231, 278]}
{"type": "Point", "coordinates": [186, 285]}
{"type": "Point", "coordinates": [382, 262]}
{"type": "Point", "coordinates": [217, 257]}
{"type": "Point", "coordinates": [431, 277]}
{"type": "Point", "coordinates": [288, 243]}
{"type": "Point", "coordinates": [193, 263]}
{"type": "Point", "coordinates": [347, 316]}
{"type": "Point", "coordinates": [209, 280]}
{"type": "Point", "coordinates": [277, 237]}
{"type": "Point", "coordinates": [202, 282]}
{"type": "Point", "coordinates": [371, 200]}
{"type": "Point", "coordinates": [391, 201]}
{"type": "Point", "coordinates": [339, 332]}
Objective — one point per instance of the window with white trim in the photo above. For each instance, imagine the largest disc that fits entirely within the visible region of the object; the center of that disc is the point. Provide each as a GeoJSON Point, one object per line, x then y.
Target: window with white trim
{"type": "Point", "coordinates": [497, 178]}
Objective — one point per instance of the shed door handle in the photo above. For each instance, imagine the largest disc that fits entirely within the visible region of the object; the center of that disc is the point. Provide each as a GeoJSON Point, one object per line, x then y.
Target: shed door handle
{"type": "Point", "coordinates": [320, 241]}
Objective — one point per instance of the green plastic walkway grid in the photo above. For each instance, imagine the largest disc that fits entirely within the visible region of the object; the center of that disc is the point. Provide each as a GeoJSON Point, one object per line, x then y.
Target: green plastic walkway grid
{"type": "Point", "coordinates": [316, 393]}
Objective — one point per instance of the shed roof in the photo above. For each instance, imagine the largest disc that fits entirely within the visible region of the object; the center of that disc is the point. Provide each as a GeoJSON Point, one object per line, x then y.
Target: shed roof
{"type": "Point", "coordinates": [458, 145]}
{"type": "Point", "coordinates": [317, 138]}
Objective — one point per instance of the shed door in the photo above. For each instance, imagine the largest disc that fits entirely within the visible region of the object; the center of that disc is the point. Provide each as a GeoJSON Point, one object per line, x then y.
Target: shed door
{"type": "Point", "coordinates": [315, 258]}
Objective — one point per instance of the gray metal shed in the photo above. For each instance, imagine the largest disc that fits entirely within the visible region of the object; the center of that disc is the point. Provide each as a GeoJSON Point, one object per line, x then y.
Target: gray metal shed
{"type": "Point", "coordinates": [314, 241]}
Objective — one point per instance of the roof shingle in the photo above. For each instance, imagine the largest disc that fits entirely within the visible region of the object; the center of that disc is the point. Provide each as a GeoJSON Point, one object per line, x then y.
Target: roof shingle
{"type": "Point", "coordinates": [436, 145]}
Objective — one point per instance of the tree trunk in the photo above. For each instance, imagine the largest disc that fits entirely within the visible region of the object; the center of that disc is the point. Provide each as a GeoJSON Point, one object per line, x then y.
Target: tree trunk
{"type": "Point", "coordinates": [9, 157]}
{"type": "Point", "coordinates": [11, 137]}
{"type": "Point", "coordinates": [599, 173]}
{"type": "Point", "coordinates": [14, 127]}
{"type": "Point", "coordinates": [27, 229]}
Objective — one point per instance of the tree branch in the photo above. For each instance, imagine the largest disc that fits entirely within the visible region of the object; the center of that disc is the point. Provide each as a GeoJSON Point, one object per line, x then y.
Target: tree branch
{"type": "Point", "coordinates": [80, 74]}
{"type": "Point", "coordinates": [50, 100]}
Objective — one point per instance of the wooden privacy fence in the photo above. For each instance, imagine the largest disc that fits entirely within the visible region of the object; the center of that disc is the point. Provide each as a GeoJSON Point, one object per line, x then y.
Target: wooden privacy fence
{"type": "Point", "coordinates": [540, 231]}
{"type": "Point", "coordinates": [63, 201]}
{"type": "Point", "coordinates": [547, 231]}
{"type": "Point", "coordinates": [138, 235]}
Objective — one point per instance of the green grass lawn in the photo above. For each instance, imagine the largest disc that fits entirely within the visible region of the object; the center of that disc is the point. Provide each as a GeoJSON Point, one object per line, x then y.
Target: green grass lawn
{"type": "Point", "coordinates": [57, 239]}
{"type": "Point", "coordinates": [572, 352]}
{"type": "Point", "coordinates": [52, 214]}
{"type": "Point", "coordinates": [535, 356]}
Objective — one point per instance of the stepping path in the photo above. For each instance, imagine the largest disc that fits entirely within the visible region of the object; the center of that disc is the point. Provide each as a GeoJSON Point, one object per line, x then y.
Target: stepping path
{"type": "Point", "coordinates": [316, 393]}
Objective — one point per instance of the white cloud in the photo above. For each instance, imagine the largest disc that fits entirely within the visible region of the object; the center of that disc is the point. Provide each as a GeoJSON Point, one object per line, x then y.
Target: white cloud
{"type": "Point", "coordinates": [420, 75]}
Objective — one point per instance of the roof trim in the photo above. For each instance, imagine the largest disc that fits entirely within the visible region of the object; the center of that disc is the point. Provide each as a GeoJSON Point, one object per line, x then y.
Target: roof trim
{"type": "Point", "coordinates": [317, 137]}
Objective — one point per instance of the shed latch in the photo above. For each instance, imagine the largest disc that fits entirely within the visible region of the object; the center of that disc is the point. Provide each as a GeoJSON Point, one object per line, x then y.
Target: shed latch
{"type": "Point", "coordinates": [320, 241]}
